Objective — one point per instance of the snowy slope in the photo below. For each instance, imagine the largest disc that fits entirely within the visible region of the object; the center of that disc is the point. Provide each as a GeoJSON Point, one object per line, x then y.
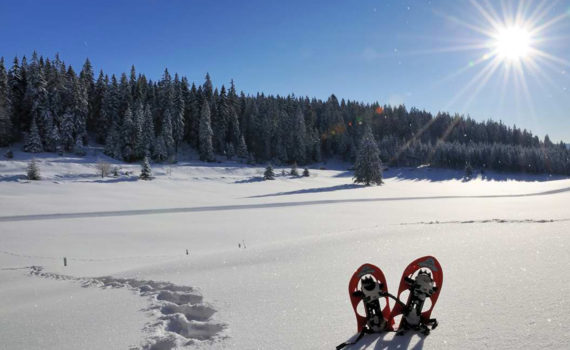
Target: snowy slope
{"type": "Point", "coordinates": [502, 242]}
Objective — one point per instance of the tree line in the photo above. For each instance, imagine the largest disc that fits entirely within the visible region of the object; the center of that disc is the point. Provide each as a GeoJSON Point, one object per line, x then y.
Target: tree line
{"type": "Point", "coordinates": [49, 107]}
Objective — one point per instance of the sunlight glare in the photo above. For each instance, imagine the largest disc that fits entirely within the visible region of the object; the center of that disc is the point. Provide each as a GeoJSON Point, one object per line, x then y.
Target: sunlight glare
{"type": "Point", "coordinates": [512, 43]}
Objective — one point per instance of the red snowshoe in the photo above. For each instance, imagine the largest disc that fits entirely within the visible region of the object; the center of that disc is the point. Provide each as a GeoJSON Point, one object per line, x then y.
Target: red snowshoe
{"type": "Point", "coordinates": [423, 279]}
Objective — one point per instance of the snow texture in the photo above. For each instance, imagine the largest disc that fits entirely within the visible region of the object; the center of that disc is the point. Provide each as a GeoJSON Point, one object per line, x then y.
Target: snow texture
{"type": "Point", "coordinates": [502, 240]}
{"type": "Point", "coordinates": [182, 316]}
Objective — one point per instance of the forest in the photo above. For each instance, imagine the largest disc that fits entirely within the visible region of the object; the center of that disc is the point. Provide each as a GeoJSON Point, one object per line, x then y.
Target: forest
{"type": "Point", "coordinates": [47, 107]}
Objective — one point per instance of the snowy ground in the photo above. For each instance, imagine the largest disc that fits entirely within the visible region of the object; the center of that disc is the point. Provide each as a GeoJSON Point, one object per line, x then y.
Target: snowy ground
{"type": "Point", "coordinates": [502, 241]}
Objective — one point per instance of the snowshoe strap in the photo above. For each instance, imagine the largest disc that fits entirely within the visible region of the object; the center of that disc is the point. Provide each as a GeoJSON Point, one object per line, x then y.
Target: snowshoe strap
{"type": "Point", "coordinates": [364, 331]}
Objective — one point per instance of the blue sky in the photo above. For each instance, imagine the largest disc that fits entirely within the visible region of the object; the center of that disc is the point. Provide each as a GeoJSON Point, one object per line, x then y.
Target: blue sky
{"type": "Point", "coordinates": [412, 52]}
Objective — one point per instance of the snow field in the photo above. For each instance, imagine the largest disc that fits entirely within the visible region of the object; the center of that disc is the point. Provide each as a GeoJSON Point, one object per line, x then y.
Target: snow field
{"type": "Point", "coordinates": [503, 257]}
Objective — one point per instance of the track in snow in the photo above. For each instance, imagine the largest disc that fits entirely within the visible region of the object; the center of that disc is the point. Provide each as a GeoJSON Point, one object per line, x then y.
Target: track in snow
{"type": "Point", "coordinates": [183, 317]}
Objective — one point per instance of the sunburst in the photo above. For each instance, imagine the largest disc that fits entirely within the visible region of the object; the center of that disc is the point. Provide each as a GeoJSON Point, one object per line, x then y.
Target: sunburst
{"type": "Point", "coordinates": [512, 44]}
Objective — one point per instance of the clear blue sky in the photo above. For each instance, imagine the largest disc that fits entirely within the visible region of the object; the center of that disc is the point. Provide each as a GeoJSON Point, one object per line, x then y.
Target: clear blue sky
{"type": "Point", "coordinates": [412, 52]}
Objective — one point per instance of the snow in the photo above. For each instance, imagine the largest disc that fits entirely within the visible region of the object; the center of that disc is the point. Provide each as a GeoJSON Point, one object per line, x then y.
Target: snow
{"type": "Point", "coordinates": [502, 241]}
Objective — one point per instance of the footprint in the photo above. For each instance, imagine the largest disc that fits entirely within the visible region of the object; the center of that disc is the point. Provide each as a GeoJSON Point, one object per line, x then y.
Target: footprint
{"type": "Point", "coordinates": [182, 318]}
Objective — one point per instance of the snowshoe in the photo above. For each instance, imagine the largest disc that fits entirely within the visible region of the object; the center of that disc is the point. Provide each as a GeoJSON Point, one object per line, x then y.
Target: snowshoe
{"type": "Point", "coordinates": [423, 279]}
{"type": "Point", "coordinates": [372, 289]}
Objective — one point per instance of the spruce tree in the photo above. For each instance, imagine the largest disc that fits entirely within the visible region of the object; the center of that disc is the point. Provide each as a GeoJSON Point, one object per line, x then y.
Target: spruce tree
{"type": "Point", "coordinates": [368, 166]}
{"type": "Point", "coordinates": [298, 137]}
{"type": "Point", "coordinates": [160, 153]}
{"type": "Point", "coordinates": [67, 131]}
{"type": "Point", "coordinates": [468, 171]}
{"type": "Point", "coordinates": [177, 113]}
{"type": "Point", "coordinates": [79, 149]}
{"type": "Point", "coordinates": [17, 87]}
{"type": "Point", "coordinates": [148, 137]}
{"type": "Point", "coordinates": [206, 147]}
{"type": "Point", "coordinates": [242, 148]}
{"type": "Point", "coordinates": [146, 172]}
{"type": "Point", "coordinates": [5, 113]}
{"type": "Point", "coordinates": [294, 171]}
{"type": "Point", "coordinates": [113, 141]}
{"type": "Point", "coordinates": [269, 174]}
{"type": "Point", "coordinates": [128, 137]}
{"type": "Point", "coordinates": [230, 151]}
{"type": "Point", "coordinates": [34, 141]}
{"type": "Point", "coordinates": [33, 171]}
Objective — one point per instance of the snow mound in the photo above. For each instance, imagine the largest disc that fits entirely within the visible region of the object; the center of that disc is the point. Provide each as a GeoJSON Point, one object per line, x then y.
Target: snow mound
{"type": "Point", "coordinates": [182, 318]}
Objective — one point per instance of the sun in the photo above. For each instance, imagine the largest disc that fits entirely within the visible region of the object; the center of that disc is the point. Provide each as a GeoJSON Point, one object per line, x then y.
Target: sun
{"type": "Point", "coordinates": [512, 43]}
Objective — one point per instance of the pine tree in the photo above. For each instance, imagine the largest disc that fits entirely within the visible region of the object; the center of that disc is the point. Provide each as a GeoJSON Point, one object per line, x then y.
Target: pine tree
{"type": "Point", "coordinates": [34, 141]}
{"type": "Point", "coordinates": [220, 121]}
{"type": "Point", "coordinates": [160, 153]}
{"type": "Point", "coordinates": [67, 131]}
{"type": "Point", "coordinates": [148, 132]}
{"type": "Point", "coordinates": [242, 148]}
{"type": "Point", "coordinates": [294, 171]}
{"type": "Point", "coordinates": [113, 141]}
{"type": "Point", "coordinates": [306, 172]}
{"type": "Point", "coordinates": [269, 174]}
{"type": "Point", "coordinates": [35, 98]}
{"type": "Point", "coordinates": [177, 113]}
{"type": "Point", "coordinates": [33, 172]}
{"type": "Point", "coordinates": [206, 148]}
{"type": "Point", "coordinates": [5, 110]}
{"type": "Point", "coordinates": [468, 171]}
{"type": "Point", "coordinates": [368, 166]}
{"type": "Point", "coordinates": [230, 151]}
{"type": "Point", "coordinates": [298, 137]}
{"type": "Point", "coordinates": [79, 149]}
{"type": "Point", "coordinates": [17, 88]}
{"type": "Point", "coordinates": [128, 137]}
{"type": "Point", "coordinates": [86, 80]}
{"type": "Point", "coordinates": [138, 121]}
{"type": "Point", "coordinates": [146, 172]}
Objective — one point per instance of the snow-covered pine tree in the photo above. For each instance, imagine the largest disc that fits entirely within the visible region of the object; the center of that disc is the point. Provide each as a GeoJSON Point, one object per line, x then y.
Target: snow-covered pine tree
{"type": "Point", "coordinates": [298, 137]}
{"type": "Point", "coordinates": [148, 132]}
{"type": "Point", "coordinates": [167, 135]}
{"type": "Point", "coordinates": [86, 80]}
{"type": "Point", "coordinates": [368, 166]}
{"type": "Point", "coordinates": [230, 150]}
{"type": "Point", "coordinates": [160, 153]}
{"type": "Point", "coordinates": [113, 141]}
{"type": "Point", "coordinates": [128, 137]}
{"type": "Point", "coordinates": [269, 174]}
{"type": "Point", "coordinates": [468, 171]}
{"type": "Point", "coordinates": [67, 131]}
{"type": "Point", "coordinates": [33, 171]}
{"type": "Point", "coordinates": [177, 113]}
{"type": "Point", "coordinates": [17, 88]}
{"type": "Point", "coordinates": [242, 148]}
{"type": "Point", "coordinates": [80, 108]}
{"type": "Point", "coordinates": [109, 108]}
{"type": "Point", "coordinates": [35, 98]}
{"type": "Point", "coordinates": [34, 141]}
{"type": "Point", "coordinates": [316, 146]}
{"type": "Point", "coordinates": [294, 171]}
{"type": "Point", "coordinates": [220, 121]}
{"type": "Point", "coordinates": [5, 113]}
{"type": "Point", "coordinates": [205, 146]}
{"type": "Point", "coordinates": [53, 139]}
{"type": "Point", "coordinates": [146, 172]}
{"type": "Point", "coordinates": [138, 120]}
{"type": "Point", "coordinates": [79, 149]}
